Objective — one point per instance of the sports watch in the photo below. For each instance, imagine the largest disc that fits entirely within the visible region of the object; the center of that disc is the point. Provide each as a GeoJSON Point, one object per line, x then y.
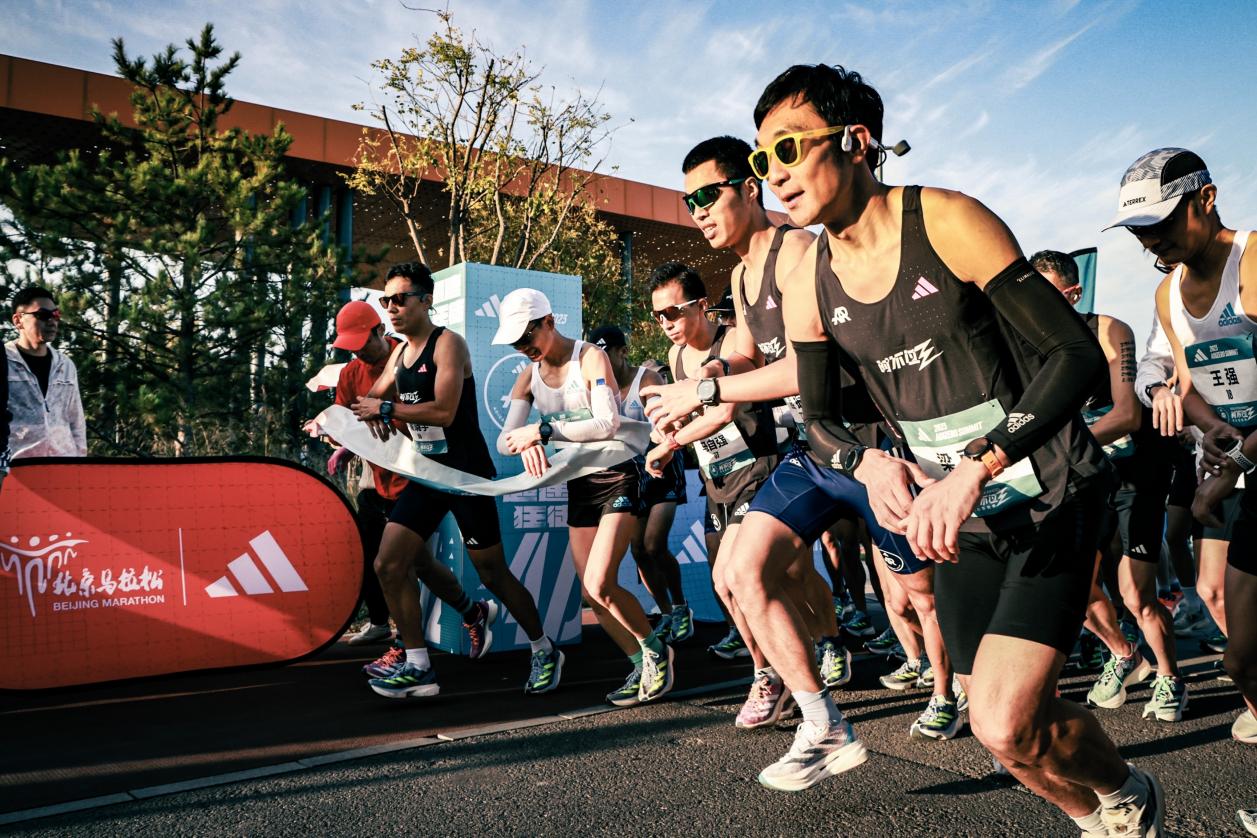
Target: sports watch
{"type": "Point", "coordinates": [545, 430]}
{"type": "Point", "coordinates": [983, 451]}
{"type": "Point", "coordinates": [851, 459]}
{"type": "Point", "coordinates": [386, 410]}
{"type": "Point", "coordinates": [1154, 385]}
{"type": "Point", "coordinates": [709, 391]}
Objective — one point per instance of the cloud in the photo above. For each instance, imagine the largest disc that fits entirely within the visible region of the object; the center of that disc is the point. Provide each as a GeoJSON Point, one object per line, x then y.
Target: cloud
{"type": "Point", "coordinates": [1021, 74]}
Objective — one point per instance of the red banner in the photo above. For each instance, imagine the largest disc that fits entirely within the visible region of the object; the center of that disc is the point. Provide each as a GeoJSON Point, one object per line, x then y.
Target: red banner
{"type": "Point", "coordinates": [125, 569]}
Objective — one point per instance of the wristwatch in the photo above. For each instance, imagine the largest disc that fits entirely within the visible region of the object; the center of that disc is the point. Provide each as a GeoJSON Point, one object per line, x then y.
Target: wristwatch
{"type": "Point", "coordinates": [1154, 385]}
{"type": "Point", "coordinates": [709, 391]}
{"type": "Point", "coordinates": [545, 430]}
{"type": "Point", "coordinates": [1236, 453]}
{"type": "Point", "coordinates": [983, 451]}
{"type": "Point", "coordinates": [386, 410]}
{"type": "Point", "coordinates": [851, 459]}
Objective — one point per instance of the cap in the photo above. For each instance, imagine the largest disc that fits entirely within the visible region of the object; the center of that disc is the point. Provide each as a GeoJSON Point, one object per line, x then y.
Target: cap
{"type": "Point", "coordinates": [354, 323]}
{"type": "Point", "coordinates": [607, 337]}
{"type": "Point", "coordinates": [725, 304]}
{"type": "Point", "coordinates": [516, 311]}
{"type": "Point", "coordinates": [1153, 184]}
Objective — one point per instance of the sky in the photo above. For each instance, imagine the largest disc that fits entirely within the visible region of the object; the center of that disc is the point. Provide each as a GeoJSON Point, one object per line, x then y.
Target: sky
{"type": "Point", "coordinates": [1034, 108]}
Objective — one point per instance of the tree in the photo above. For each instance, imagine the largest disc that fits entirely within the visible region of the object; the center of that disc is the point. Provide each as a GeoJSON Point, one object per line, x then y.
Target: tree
{"type": "Point", "coordinates": [197, 308]}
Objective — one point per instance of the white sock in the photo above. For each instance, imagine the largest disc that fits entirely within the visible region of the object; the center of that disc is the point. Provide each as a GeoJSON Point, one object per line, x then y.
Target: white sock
{"type": "Point", "coordinates": [818, 707]}
{"type": "Point", "coordinates": [418, 658]}
{"type": "Point", "coordinates": [769, 671]}
{"type": "Point", "coordinates": [1134, 790]}
{"type": "Point", "coordinates": [1091, 823]}
{"type": "Point", "coordinates": [542, 645]}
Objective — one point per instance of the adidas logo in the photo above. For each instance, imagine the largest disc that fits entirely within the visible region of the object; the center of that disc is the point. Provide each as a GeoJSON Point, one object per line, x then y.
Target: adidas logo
{"type": "Point", "coordinates": [1139, 550]}
{"type": "Point", "coordinates": [1200, 356]}
{"type": "Point", "coordinates": [924, 288]}
{"type": "Point", "coordinates": [1229, 317]}
{"type": "Point", "coordinates": [250, 578]}
{"type": "Point", "coordinates": [423, 368]}
{"type": "Point", "coordinates": [491, 307]}
{"type": "Point", "coordinates": [771, 304]}
{"type": "Point", "coordinates": [1017, 421]}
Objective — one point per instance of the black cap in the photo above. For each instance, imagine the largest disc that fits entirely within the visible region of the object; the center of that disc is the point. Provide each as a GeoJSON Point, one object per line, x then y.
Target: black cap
{"type": "Point", "coordinates": [607, 337]}
{"type": "Point", "coordinates": [725, 304]}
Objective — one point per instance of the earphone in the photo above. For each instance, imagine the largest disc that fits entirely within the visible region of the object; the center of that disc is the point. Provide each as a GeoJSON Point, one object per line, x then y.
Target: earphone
{"type": "Point", "coordinates": [846, 138]}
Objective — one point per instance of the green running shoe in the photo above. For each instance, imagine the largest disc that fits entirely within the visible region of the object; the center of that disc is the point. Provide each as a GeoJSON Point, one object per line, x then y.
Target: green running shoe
{"type": "Point", "coordinates": [903, 678]}
{"type": "Point", "coordinates": [834, 661]}
{"type": "Point", "coordinates": [663, 628]}
{"type": "Point", "coordinates": [883, 644]}
{"type": "Point", "coordinates": [1169, 699]}
{"type": "Point", "coordinates": [407, 681]}
{"type": "Point", "coordinates": [1215, 642]}
{"type": "Point", "coordinates": [1109, 690]}
{"type": "Point", "coordinates": [940, 720]}
{"type": "Point", "coordinates": [857, 624]}
{"type": "Point", "coordinates": [656, 674]}
{"type": "Point", "coordinates": [682, 624]}
{"type": "Point", "coordinates": [627, 695]}
{"type": "Point", "coordinates": [545, 671]}
{"type": "Point", "coordinates": [730, 646]}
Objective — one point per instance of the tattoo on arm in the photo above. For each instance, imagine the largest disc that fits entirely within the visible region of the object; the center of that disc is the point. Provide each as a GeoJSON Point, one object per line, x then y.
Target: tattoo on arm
{"type": "Point", "coordinates": [1126, 357]}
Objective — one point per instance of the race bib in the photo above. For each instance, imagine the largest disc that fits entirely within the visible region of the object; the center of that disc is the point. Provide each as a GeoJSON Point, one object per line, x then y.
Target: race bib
{"type": "Point", "coordinates": [1225, 375]}
{"type": "Point", "coordinates": [723, 453]}
{"type": "Point", "coordinates": [429, 439]}
{"type": "Point", "coordinates": [937, 445]}
{"type": "Point", "coordinates": [1117, 449]}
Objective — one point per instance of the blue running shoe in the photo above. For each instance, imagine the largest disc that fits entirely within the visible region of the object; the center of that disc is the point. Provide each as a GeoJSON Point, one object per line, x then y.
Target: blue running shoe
{"type": "Point", "coordinates": [544, 671]}
{"type": "Point", "coordinates": [407, 681]}
{"type": "Point", "coordinates": [682, 624]}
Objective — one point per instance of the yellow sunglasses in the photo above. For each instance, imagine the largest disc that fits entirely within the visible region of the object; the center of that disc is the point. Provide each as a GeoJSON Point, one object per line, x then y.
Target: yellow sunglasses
{"type": "Point", "coordinates": [788, 149]}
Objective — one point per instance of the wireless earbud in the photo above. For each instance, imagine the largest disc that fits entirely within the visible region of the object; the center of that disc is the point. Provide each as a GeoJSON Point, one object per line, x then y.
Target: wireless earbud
{"type": "Point", "coordinates": [846, 138]}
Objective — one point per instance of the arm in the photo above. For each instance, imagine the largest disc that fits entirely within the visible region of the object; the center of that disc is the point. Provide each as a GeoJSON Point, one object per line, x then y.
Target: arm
{"type": "Point", "coordinates": [1196, 411]}
{"type": "Point", "coordinates": [517, 415]}
{"type": "Point", "coordinates": [78, 424]}
{"type": "Point", "coordinates": [1118, 342]}
{"type": "Point", "coordinates": [595, 366]}
{"type": "Point", "coordinates": [452, 360]}
{"type": "Point", "coordinates": [1157, 364]}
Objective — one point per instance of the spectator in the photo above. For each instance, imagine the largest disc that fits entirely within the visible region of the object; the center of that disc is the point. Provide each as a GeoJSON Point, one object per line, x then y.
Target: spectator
{"type": "Point", "coordinates": [47, 411]}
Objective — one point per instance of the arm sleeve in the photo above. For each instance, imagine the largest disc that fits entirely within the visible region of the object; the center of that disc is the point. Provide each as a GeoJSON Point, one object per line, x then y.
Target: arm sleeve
{"type": "Point", "coordinates": [1072, 360]}
{"type": "Point", "coordinates": [821, 393]}
{"type": "Point", "coordinates": [516, 417]}
{"type": "Point", "coordinates": [1157, 364]}
{"type": "Point", "coordinates": [603, 425]}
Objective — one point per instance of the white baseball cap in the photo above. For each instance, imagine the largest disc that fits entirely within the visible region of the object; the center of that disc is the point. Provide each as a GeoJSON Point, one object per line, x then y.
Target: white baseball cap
{"type": "Point", "coordinates": [1153, 185]}
{"type": "Point", "coordinates": [517, 310]}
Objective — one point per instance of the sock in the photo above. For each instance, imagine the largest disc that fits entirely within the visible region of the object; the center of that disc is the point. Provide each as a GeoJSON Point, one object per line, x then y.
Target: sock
{"type": "Point", "coordinates": [652, 643]}
{"type": "Point", "coordinates": [636, 659]}
{"type": "Point", "coordinates": [1091, 824]}
{"type": "Point", "coordinates": [542, 645]}
{"type": "Point", "coordinates": [463, 605]}
{"type": "Point", "coordinates": [818, 707]}
{"type": "Point", "coordinates": [1134, 790]}
{"type": "Point", "coordinates": [768, 671]}
{"type": "Point", "coordinates": [418, 658]}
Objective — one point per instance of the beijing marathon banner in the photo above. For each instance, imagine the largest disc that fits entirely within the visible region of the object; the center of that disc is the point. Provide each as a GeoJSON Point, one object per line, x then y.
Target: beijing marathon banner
{"type": "Point", "coordinates": [113, 569]}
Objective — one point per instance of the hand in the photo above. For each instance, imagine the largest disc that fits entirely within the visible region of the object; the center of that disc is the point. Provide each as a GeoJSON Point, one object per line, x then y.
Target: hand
{"type": "Point", "coordinates": [658, 458]}
{"type": "Point", "coordinates": [933, 524]}
{"type": "Point", "coordinates": [535, 462]}
{"type": "Point", "coordinates": [311, 428]}
{"type": "Point", "coordinates": [521, 439]}
{"type": "Point", "coordinates": [339, 458]}
{"type": "Point", "coordinates": [672, 403]}
{"type": "Point", "coordinates": [887, 479]}
{"type": "Point", "coordinates": [379, 429]}
{"type": "Point", "coordinates": [366, 408]}
{"type": "Point", "coordinates": [1215, 457]}
{"type": "Point", "coordinates": [1209, 496]}
{"type": "Point", "coordinates": [1167, 411]}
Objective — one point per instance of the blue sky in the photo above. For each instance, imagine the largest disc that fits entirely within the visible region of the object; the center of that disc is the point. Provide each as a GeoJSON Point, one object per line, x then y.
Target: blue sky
{"type": "Point", "coordinates": [1035, 108]}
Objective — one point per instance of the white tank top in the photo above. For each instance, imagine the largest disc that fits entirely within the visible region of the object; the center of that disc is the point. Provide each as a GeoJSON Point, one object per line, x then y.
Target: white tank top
{"type": "Point", "coordinates": [1219, 346]}
{"type": "Point", "coordinates": [631, 407]}
{"type": "Point", "coordinates": [569, 403]}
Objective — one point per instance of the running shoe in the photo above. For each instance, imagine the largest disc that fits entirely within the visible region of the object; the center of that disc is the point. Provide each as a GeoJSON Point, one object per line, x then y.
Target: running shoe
{"type": "Point", "coordinates": [730, 646]}
{"type": "Point", "coordinates": [1219, 672]}
{"type": "Point", "coordinates": [1215, 642]}
{"type": "Point", "coordinates": [384, 665]}
{"type": "Point", "coordinates": [656, 674]}
{"type": "Point", "coordinates": [903, 678]}
{"type": "Point", "coordinates": [480, 630]}
{"type": "Point", "coordinates": [627, 695]}
{"type": "Point", "coordinates": [1245, 728]}
{"type": "Point", "coordinates": [940, 720]}
{"type": "Point", "coordinates": [1132, 820]}
{"type": "Point", "coordinates": [682, 624]}
{"type": "Point", "coordinates": [1190, 620]}
{"type": "Point", "coordinates": [1130, 631]}
{"type": "Point", "coordinates": [370, 633]}
{"type": "Point", "coordinates": [766, 703]}
{"type": "Point", "coordinates": [834, 661]}
{"type": "Point", "coordinates": [926, 679]}
{"type": "Point", "coordinates": [819, 751]}
{"type": "Point", "coordinates": [663, 628]}
{"type": "Point", "coordinates": [1170, 599]}
{"type": "Point", "coordinates": [1091, 652]}
{"type": "Point", "coordinates": [998, 767]}
{"type": "Point", "coordinates": [857, 624]}
{"type": "Point", "coordinates": [544, 671]}
{"type": "Point", "coordinates": [883, 644]}
{"type": "Point", "coordinates": [1109, 690]}
{"type": "Point", "coordinates": [1169, 699]}
{"type": "Point", "coordinates": [1247, 818]}
{"type": "Point", "coordinates": [962, 698]}
{"type": "Point", "coordinates": [840, 609]}
{"type": "Point", "coordinates": [407, 681]}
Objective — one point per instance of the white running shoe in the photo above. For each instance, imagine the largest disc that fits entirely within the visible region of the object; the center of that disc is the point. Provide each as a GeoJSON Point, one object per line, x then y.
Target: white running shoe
{"type": "Point", "coordinates": [1247, 819]}
{"type": "Point", "coordinates": [1138, 820]}
{"type": "Point", "coordinates": [819, 751]}
{"type": "Point", "coordinates": [369, 633]}
{"type": "Point", "coordinates": [1245, 728]}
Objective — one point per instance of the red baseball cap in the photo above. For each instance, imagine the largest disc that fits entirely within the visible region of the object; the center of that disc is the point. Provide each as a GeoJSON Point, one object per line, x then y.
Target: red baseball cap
{"type": "Point", "coordinates": [354, 323]}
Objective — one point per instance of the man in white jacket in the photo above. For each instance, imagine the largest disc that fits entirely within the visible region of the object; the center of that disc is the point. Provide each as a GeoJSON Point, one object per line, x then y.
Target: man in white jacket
{"type": "Point", "coordinates": [43, 383]}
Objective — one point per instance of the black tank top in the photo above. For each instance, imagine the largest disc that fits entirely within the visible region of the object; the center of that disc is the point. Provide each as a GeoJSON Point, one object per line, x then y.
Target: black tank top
{"type": "Point", "coordinates": [754, 423]}
{"type": "Point", "coordinates": [763, 317]}
{"type": "Point", "coordinates": [944, 370]}
{"type": "Point", "coordinates": [460, 445]}
{"type": "Point", "coordinates": [1131, 450]}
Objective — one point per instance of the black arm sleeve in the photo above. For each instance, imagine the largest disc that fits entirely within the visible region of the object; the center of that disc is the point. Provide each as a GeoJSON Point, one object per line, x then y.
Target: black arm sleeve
{"type": "Point", "coordinates": [820, 390]}
{"type": "Point", "coordinates": [1072, 360]}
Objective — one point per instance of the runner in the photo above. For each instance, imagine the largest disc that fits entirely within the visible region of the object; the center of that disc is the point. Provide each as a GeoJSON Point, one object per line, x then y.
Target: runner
{"type": "Point", "coordinates": [659, 569]}
{"type": "Point", "coordinates": [567, 383]}
{"type": "Point", "coordinates": [982, 368]}
{"type": "Point", "coordinates": [1123, 427]}
{"type": "Point", "coordinates": [428, 388]}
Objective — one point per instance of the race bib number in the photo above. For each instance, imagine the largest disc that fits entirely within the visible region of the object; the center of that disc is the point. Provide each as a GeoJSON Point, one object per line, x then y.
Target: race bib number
{"type": "Point", "coordinates": [1118, 449]}
{"type": "Point", "coordinates": [429, 439]}
{"type": "Point", "coordinates": [723, 453]}
{"type": "Point", "coordinates": [937, 445]}
{"type": "Point", "coordinates": [1224, 373]}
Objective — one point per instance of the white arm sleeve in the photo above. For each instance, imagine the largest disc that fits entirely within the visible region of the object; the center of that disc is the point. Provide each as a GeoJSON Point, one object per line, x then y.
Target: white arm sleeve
{"type": "Point", "coordinates": [1157, 364]}
{"type": "Point", "coordinates": [604, 405]}
{"type": "Point", "coordinates": [516, 417]}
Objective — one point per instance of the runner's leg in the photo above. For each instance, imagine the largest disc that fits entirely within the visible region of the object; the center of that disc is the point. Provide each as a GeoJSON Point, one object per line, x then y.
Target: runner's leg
{"type": "Point", "coordinates": [1211, 580]}
{"type": "Point", "coordinates": [581, 540]}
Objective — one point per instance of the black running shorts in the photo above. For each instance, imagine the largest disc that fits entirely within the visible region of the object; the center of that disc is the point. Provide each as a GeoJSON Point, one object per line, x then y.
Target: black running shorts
{"type": "Point", "coordinates": [1229, 513]}
{"type": "Point", "coordinates": [1242, 554]}
{"type": "Point", "coordinates": [421, 509]}
{"type": "Point", "coordinates": [1138, 516]}
{"type": "Point", "coordinates": [606, 492]}
{"type": "Point", "coordinates": [721, 516]}
{"type": "Point", "coordinates": [667, 489]}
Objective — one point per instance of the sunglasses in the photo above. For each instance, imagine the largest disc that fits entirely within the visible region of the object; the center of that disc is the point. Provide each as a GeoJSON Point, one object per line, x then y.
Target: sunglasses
{"type": "Point", "coordinates": [525, 341]}
{"type": "Point", "coordinates": [788, 149]}
{"type": "Point", "coordinates": [715, 315]}
{"type": "Point", "coordinates": [1161, 227]}
{"type": "Point", "coordinates": [672, 313]}
{"type": "Point", "coordinates": [399, 299]}
{"type": "Point", "coordinates": [44, 314]}
{"type": "Point", "coordinates": [704, 196]}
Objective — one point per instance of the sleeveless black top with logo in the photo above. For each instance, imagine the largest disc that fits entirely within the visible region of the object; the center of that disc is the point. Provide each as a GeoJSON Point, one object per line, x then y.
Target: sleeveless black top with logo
{"type": "Point", "coordinates": [1129, 452]}
{"type": "Point", "coordinates": [945, 369]}
{"type": "Point", "coordinates": [743, 451]}
{"type": "Point", "coordinates": [460, 445]}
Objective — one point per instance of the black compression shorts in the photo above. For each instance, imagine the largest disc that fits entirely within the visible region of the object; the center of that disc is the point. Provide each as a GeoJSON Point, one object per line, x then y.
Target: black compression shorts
{"type": "Point", "coordinates": [1242, 554]}
{"type": "Point", "coordinates": [606, 492]}
{"type": "Point", "coordinates": [721, 516]}
{"type": "Point", "coordinates": [1138, 516]}
{"type": "Point", "coordinates": [421, 509]}
{"type": "Point", "coordinates": [1183, 484]}
{"type": "Point", "coordinates": [667, 489]}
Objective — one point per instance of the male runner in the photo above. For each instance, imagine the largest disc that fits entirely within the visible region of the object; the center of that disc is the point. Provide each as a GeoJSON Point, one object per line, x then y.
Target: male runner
{"type": "Point", "coordinates": [1123, 427]}
{"type": "Point", "coordinates": [982, 368]}
{"type": "Point", "coordinates": [428, 387]}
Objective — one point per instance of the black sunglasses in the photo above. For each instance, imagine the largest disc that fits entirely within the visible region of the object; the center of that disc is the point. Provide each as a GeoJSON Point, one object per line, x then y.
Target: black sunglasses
{"type": "Point", "coordinates": [44, 313]}
{"type": "Point", "coordinates": [525, 340]}
{"type": "Point", "coordinates": [399, 299]}
{"type": "Point", "coordinates": [704, 196]}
